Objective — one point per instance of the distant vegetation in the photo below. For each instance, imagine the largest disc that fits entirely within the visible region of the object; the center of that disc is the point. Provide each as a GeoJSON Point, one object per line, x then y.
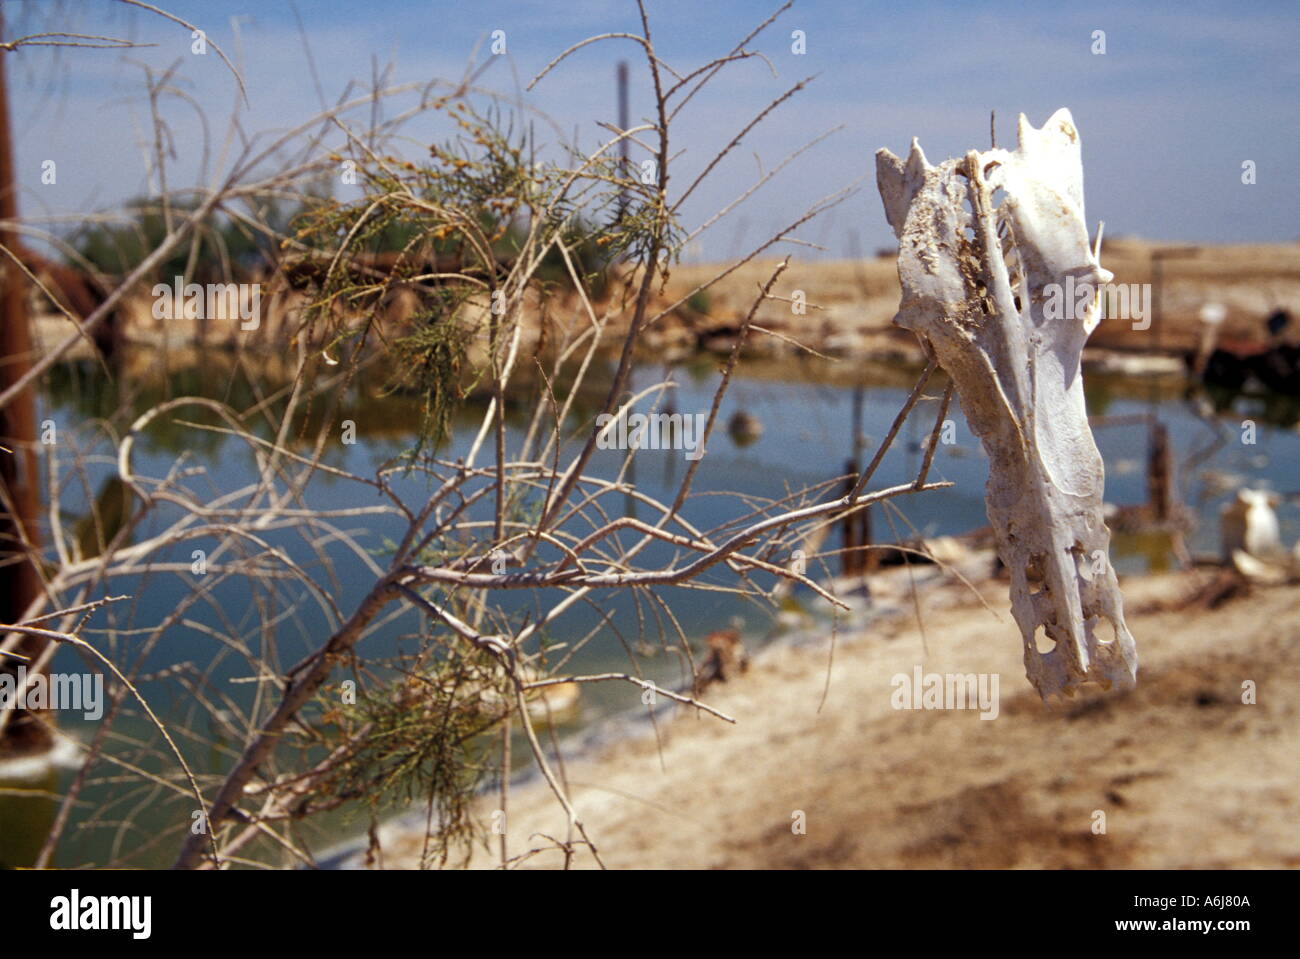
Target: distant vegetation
{"type": "Point", "coordinates": [221, 247]}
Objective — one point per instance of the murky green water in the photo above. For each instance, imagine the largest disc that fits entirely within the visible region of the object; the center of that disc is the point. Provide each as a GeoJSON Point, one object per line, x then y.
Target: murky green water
{"type": "Point", "coordinates": [808, 411]}
{"type": "Point", "coordinates": [27, 811]}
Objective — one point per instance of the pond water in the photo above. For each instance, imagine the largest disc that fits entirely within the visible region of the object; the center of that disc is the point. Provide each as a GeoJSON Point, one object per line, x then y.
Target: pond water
{"type": "Point", "coordinates": [808, 410]}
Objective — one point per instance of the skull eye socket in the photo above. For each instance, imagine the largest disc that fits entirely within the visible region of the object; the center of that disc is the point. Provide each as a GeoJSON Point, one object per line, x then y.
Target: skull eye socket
{"type": "Point", "coordinates": [1043, 643]}
{"type": "Point", "coordinates": [1108, 634]}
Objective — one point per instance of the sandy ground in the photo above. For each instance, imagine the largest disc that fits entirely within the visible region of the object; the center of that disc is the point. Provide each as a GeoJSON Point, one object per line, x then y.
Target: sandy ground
{"type": "Point", "coordinates": [1185, 773]}
{"type": "Point", "coordinates": [851, 303]}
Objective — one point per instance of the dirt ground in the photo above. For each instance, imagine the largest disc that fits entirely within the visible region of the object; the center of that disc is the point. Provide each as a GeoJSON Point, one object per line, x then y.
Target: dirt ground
{"type": "Point", "coordinates": [1185, 773]}
{"type": "Point", "coordinates": [851, 303]}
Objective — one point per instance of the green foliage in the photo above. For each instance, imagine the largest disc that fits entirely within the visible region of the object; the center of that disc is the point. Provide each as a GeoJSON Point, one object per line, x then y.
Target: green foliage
{"type": "Point", "coordinates": [700, 302]}
{"type": "Point", "coordinates": [477, 226]}
{"type": "Point", "coordinates": [420, 738]}
{"type": "Point", "coordinates": [431, 360]}
{"type": "Point", "coordinates": [225, 244]}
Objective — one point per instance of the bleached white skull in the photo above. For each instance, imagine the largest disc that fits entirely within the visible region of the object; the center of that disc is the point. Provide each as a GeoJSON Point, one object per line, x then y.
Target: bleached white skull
{"type": "Point", "coordinates": [986, 242]}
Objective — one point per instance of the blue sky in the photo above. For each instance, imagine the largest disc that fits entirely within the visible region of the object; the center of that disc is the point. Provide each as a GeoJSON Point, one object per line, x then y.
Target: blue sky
{"type": "Point", "coordinates": [1183, 95]}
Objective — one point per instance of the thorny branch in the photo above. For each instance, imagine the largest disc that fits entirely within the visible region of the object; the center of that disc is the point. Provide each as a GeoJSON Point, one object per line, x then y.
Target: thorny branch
{"type": "Point", "coordinates": [484, 240]}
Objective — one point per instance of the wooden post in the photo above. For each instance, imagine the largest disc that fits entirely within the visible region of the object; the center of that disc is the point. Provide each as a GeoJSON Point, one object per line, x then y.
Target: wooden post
{"type": "Point", "coordinates": [20, 581]}
{"type": "Point", "coordinates": [1160, 473]}
{"type": "Point", "coordinates": [855, 533]}
{"type": "Point", "coordinates": [856, 527]}
{"type": "Point", "coordinates": [870, 561]}
{"type": "Point", "coordinates": [851, 555]}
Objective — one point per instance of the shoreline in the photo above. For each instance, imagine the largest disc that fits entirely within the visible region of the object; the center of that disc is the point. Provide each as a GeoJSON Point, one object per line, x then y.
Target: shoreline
{"type": "Point", "coordinates": [847, 307]}
{"type": "Point", "coordinates": [879, 787]}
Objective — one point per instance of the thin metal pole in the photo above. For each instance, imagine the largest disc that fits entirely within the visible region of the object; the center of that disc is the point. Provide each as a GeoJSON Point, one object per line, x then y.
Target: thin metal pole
{"type": "Point", "coordinates": [622, 127]}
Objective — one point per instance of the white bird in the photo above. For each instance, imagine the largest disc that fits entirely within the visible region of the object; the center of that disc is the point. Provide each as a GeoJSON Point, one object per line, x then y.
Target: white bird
{"type": "Point", "coordinates": [1249, 524]}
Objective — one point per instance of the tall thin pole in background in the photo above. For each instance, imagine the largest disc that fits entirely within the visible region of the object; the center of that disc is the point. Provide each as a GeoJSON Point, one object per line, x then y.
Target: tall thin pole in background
{"type": "Point", "coordinates": [622, 128]}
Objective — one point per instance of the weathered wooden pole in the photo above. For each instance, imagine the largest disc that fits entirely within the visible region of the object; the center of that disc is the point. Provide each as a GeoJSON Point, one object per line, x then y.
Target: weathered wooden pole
{"type": "Point", "coordinates": [851, 557]}
{"type": "Point", "coordinates": [20, 581]}
{"type": "Point", "coordinates": [1160, 473]}
{"type": "Point", "coordinates": [856, 559]}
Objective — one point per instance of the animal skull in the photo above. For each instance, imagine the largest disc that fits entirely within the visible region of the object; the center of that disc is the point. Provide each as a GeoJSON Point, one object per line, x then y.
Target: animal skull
{"type": "Point", "coordinates": [979, 280]}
